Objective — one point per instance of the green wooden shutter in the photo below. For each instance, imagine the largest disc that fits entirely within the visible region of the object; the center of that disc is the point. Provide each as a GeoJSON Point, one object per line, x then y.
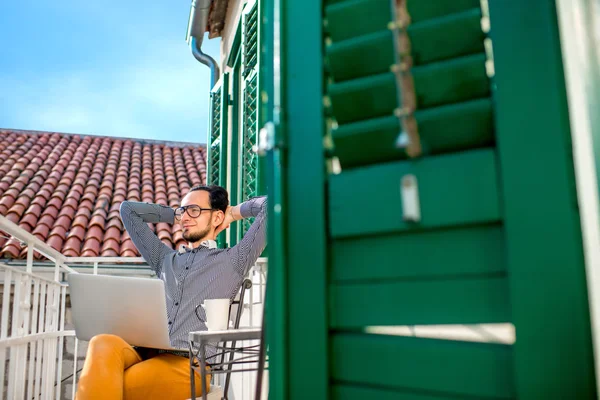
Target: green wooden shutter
{"type": "Point", "coordinates": [217, 133]}
{"type": "Point", "coordinates": [235, 62]}
{"type": "Point", "coordinates": [218, 137]}
{"type": "Point", "coordinates": [250, 55]}
{"type": "Point", "coordinates": [404, 283]}
{"type": "Point", "coordinates": [484, 249]}
{"type": "Point", "coordinates": [250, 38]}
{"type": "Point", "coordinates": [214, 138]}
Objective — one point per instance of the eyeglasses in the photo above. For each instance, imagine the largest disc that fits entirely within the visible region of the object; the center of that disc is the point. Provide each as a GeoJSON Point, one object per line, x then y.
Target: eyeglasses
{"type": "Point", "coordinates": [193, 211]}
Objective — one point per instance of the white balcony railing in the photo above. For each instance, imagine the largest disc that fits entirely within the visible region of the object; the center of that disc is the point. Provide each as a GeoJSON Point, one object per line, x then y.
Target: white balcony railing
{"type": "Point", "coordinates": [35, 314]}
{"type": "Point", "coordinates": [32, 324]}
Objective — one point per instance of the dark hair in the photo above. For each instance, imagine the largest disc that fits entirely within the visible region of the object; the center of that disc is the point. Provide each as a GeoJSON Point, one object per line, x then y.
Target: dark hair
{"type": "Point", "coordinates": [219, 198]}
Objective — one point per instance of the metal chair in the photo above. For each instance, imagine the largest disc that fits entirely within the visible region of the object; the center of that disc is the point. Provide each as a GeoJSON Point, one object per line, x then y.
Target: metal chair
{"type": "Point", "coordinates": [235, 310]}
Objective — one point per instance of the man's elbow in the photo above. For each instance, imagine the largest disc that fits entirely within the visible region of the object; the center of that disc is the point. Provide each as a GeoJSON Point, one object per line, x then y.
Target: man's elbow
{"type": "Point", "coordinates": [264, 204]}
{"type": "Point", "coordinates": [124, 208]}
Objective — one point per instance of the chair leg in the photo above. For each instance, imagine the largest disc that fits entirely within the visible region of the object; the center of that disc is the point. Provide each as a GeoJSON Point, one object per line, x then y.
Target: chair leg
{"type": "Point", "coordinates": [247, 284]}
{"type": "Point", "coordinates": [261, 360]}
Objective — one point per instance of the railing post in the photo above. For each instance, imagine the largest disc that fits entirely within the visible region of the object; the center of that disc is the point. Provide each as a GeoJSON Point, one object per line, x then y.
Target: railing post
{"type": "Point", "coordinates": [23, 324]}
{"type": "Point", "coordinates": [39, 365]}
{"type": "Point", "coordinates": [4, 322]}
{"type": "Point", "coordinates": [57, 264]}
{"type": "Point", "coordinates": [33, 344]}
{"type": "Point", "coordinates": [61, 339]}
{"type": "Point", "coordinates": [74, 389]}
{"type": "Point", "coordinates": [16, 331]}
{"type": "Point", "coordinates": [51, 342]}
{"type": "Point", "coordinates": [251, 301]}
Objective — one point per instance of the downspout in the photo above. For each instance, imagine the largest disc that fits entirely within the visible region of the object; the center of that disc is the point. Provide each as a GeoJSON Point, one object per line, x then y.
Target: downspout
{"type": "Point", "coordinates": [197, 26]}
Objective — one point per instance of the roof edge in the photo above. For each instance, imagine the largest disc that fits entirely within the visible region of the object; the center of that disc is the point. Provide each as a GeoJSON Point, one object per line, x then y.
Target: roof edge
{"type": "Point", "coordinates": [216, 18]}
{"type": "Point", "coordinates": [142, 141]}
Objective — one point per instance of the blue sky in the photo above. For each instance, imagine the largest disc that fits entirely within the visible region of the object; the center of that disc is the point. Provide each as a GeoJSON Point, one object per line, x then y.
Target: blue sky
{"type": "Point", "coordinates": [111, 67]}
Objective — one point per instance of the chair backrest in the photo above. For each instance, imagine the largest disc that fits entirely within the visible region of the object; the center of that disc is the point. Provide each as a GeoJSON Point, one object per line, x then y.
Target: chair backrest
{"type": "Point", "coordinates": [237, 305]}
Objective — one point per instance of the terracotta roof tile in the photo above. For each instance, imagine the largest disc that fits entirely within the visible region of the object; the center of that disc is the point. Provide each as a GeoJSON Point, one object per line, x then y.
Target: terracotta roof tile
{"type": "Point", "coordinates": [52, 211]}
{"type": "Point", "coordinates": [45, 192]}
{"type": "Point", "coordinates": [67, 189]}
{"type": "Point", "coordinates": [59, 230]}
{"type": "Point", "coordinates": [82, 217]}
{"type": "Point", "coordinates": [91, 248]}
{"type": "Point", "coordinates": [72, 247]}
{"type": "Point", "coordinates": [12, 192]}
{"type": "Point", "coordinates": [115, 222]}
{"type": "Point", "coordinates": [113, 233]}
{"type": "Point", "coordinates": [78, 231]}
{"type": "Point", "coordinates": [12, 217]}
{"type": "Point", "coordinates": [71, 202]}
{"type": "Point", "coordinates": [41, 231]}
{"type": "Point", "coordinates": [95, 232]}
{"type": "Point", "coordinates": [128, 249]}
{"type": "Point", "coordinates": [5, 203]}
{"type": "Point", "coordinates": [47, 220]}
{"type": "Point", "coordinates": [177, 234]}
{"type": "Point", "coordinates": [17, 209]}
{"type": "Point", "coordinates": [12, 249]}
{"type": "Point", "coordinates": [55, 201]}
{"type": "Point", "coordinates": [110, 248]}
{"type": "Point", "coordinates": [63, 220]}
{"type": "Point", "coordinates": [56, 242]}
{"type": "Point", "coordinates": [87, 204]}
{"type": "Point", "coordinates": [30, 220]}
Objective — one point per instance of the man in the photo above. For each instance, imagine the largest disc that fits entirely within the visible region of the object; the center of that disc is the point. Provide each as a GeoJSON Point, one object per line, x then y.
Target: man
{"type": "Point", "coordinates": [115, 370]}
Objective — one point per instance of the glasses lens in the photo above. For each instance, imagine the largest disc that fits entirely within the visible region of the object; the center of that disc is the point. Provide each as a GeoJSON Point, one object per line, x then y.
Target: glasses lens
{"type": "Point", "coordinates": [178, 213]}
{"type": "Point", "coordinates": [194, 211]}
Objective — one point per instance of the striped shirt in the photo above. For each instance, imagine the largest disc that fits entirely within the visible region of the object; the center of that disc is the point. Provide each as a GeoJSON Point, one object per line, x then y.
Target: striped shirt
{"type": "Point", "coordinates": [193, 275]}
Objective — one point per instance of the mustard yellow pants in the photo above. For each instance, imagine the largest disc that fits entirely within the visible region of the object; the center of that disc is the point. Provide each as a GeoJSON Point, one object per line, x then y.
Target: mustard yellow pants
{"type": "Point", "coordinates": [114, 370]}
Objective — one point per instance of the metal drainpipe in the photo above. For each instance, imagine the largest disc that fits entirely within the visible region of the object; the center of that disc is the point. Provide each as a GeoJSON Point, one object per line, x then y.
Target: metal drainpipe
{"type": "Point", "coordinates": [197, 26]}
{"type": "Point", "coordinates": [205, 59]}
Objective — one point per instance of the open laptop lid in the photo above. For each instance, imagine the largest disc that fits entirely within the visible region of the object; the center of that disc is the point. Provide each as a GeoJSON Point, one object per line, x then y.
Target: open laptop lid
{"type": "Point", "coordinates": [131, 308]}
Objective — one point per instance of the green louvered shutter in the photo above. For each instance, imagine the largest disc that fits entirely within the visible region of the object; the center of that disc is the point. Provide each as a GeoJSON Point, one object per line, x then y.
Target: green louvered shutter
{"type": "Point", "coordinates": [462, 224]}
{"type": "Point", "coordinates": [250, 163]}
{"type": "Point", "coordinates": [214, 137]}
{"type": "Point", "coordinates": [217, 138]}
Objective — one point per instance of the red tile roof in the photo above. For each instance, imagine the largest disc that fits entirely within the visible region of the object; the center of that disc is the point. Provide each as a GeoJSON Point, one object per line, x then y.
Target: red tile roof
{"type": "Point", "coordinates": [66, 189]}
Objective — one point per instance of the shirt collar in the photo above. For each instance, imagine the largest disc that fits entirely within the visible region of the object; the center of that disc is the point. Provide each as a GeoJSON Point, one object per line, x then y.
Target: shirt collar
{"type": "Point", "coordinates": [209, 244]}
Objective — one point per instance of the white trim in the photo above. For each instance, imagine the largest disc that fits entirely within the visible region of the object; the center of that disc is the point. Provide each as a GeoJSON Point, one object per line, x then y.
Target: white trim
{"type": "Point", "coordinates": [32, 275]}
{"type": "Point", "coordinates": [575, 44]}
{"type": "Point", "coordinates": [112, 260]}
{"type": "Point", "coordinates": [20, 234]}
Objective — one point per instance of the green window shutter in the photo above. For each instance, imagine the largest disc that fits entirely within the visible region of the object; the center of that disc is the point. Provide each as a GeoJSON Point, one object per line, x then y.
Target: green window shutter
{"type": "Point", "coordinates": [217, 138]}
{"type": "Point", "coordinates": [249, 156]}
{"type": "Point", "coordinates": [223, 128]}
{"type": "Point", "coordinates": [250, 43]}
{"type": "Point", "coordinates": [214, 137]}
{"type": "Point", "coordinates": [250, 64]}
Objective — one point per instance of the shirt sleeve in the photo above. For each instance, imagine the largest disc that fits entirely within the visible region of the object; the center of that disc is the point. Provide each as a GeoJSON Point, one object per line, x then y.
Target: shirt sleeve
{"type": "Point", "coordinates": [255, 240]}
{"type": "Point", "coordinates": [136, 216]}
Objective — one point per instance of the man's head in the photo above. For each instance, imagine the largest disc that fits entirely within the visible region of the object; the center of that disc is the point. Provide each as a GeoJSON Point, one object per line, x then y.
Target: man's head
{"type": "Point", "coordinates": [205, 208]}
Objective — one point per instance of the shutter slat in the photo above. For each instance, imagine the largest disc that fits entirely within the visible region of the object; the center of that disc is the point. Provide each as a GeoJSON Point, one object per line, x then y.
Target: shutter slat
{"type": "Point", "coordinates": [440, 367]}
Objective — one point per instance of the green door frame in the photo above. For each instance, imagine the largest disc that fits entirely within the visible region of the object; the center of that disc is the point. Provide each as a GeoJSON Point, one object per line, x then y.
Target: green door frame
{"type": "Point", "coordinates": [578, 21]}
{"type": "Point", "coordinates": [235, 61]}
{"type": "Point", "coordinates": [297, 290]}
{"type": "Point", "coordinates": [548, 293]}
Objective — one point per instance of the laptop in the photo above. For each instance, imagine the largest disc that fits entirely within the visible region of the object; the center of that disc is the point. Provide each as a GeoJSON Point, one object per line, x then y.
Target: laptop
{"type": "Point", "coordinates": [131, 308]}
